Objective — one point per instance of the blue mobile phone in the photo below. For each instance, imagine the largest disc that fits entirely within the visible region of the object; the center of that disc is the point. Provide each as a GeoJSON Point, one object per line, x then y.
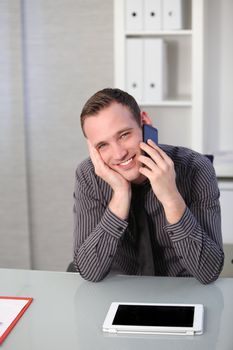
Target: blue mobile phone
{"type": "Point", "coordinates": [149, 132]}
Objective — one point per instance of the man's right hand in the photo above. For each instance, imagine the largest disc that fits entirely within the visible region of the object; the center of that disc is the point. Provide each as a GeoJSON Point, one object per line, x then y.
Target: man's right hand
{"type": "Point", "coordinates": [120, 202]}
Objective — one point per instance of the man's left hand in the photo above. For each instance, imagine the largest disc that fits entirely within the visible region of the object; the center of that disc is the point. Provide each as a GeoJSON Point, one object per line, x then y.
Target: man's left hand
{"type": "Point", "coordinates": [159, 169]}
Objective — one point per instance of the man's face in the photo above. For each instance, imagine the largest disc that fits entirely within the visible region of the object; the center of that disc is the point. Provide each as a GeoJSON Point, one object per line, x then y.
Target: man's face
{"type": "Point", "coordinates": [116, 135]}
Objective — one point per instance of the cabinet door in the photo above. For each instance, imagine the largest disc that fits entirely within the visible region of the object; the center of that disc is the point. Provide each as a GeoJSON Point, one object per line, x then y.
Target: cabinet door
{"type": "Point", "coordinates": [226, 200]}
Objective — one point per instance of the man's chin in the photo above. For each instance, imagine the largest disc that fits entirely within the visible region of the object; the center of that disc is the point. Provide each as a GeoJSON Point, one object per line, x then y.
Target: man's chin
{"type": "Point", "coordinates": [135, 177]}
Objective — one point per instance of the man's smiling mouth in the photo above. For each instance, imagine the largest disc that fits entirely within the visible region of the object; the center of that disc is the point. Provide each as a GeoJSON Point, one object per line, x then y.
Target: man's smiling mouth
{"type": "Point", "coordinates": [126, 162]}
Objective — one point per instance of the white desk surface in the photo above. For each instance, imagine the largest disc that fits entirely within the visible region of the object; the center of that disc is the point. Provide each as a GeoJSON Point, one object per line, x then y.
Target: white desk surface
{"type": "Point", "coordinates": [67, 312]}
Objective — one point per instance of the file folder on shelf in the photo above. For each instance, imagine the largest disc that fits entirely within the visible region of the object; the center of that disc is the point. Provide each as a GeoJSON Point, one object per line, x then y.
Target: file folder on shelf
{"type": "Point", "coordinates": [134, 15]}
{"type": "Point", "coordinates": [134, 68]}
{"type": "Point", "coordinates": [154, 70]}
{"type": "Point", "coordinates": [11, 310]}
{"type": "Point", "coordinates": [172, 14]}
{"type": "Point", "coordinates": [152, 15]}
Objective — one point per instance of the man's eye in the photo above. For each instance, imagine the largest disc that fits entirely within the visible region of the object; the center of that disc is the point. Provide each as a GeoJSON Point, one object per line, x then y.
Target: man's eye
{"type": "Point", "coordinates": [101, 146]}
{"type": "Point", "coordinates": [124, 135]}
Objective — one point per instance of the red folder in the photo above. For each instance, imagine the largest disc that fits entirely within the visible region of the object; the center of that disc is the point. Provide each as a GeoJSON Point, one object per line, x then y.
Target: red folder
{"type": "Point", "coordinates": [17, 316]}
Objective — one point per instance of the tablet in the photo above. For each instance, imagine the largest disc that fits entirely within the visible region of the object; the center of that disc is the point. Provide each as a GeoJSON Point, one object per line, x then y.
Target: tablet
{"type": "Point", "coordinates": [154, 318]}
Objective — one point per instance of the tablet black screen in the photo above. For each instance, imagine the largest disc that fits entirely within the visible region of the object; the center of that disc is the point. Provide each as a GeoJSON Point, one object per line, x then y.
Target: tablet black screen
{"type": "Point", "coordinates": [154, 315]}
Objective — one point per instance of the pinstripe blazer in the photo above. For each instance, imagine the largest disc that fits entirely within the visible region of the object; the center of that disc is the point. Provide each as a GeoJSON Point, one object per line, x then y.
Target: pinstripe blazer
{"type": "Point", "coordinates": [192, 247]}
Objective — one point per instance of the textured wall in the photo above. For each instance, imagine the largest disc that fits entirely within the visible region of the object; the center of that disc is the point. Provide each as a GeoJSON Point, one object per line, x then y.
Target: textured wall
{"type": "Point", "coordinates": [14, 234]}
{"type": "Point", "coordinates": [67, 54]}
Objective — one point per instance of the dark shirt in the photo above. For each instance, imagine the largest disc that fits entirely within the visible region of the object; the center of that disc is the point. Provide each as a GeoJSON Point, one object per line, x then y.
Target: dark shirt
{"type": "Point", "coordinates": [191, 247]}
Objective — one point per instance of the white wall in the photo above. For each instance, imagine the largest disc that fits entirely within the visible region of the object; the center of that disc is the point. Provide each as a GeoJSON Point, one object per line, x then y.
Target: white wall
{"type": "Point", "coordinates": [14, 231]}
{"type": "Point", "coordinates": [68, 56]}
{"type": "Point", "coordinates": [63, 53]}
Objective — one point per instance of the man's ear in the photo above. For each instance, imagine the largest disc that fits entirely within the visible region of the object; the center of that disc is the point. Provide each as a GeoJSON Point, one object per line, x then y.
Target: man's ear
{"type": "Point", "coordinates": [145, 119]}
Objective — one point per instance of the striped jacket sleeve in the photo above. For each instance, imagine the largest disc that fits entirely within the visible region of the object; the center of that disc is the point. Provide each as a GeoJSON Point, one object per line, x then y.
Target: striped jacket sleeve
{"type": "Point", "coordinates": [197, 236]}
{"type": "Point", "coordinates": [97, 230]}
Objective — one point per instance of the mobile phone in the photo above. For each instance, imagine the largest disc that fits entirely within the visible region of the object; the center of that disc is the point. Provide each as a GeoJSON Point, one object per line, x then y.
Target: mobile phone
{"type": "Point", "coordinates": [152, 318]}
{"type": "Point", "coordinates": [149, 132]}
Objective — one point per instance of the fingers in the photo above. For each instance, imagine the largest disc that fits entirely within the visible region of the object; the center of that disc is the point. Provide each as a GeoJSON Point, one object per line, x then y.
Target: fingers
{"type": "Point", "coordinates": [95, 157]}
{"type": "Point", "coordinates": [148, 162]}
{"type": "Point", "coordinates": [155, 153]}
{"type": "Point", "coordinates": [91, 148]}
{"type": "Point", "coordinates": [94, 154]}
{"type": "Point", "coordinates": [116, 181]}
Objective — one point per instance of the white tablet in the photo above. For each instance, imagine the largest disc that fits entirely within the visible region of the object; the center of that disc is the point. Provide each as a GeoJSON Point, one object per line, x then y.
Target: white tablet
{"type": "Point", "coordinates": [153, 318]}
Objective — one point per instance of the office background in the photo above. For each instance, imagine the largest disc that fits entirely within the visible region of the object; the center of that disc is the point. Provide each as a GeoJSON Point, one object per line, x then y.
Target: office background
{"type": "Point", "coordinates": [53, 55]}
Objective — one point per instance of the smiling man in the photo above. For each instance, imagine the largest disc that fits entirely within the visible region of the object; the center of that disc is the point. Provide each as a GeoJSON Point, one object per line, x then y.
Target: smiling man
{"type": "Point", "coordinates": [134, 214]}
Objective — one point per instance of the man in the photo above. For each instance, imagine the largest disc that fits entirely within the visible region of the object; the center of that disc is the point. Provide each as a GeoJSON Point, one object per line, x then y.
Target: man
{"type": "Point", "coordinates": [140, 208]}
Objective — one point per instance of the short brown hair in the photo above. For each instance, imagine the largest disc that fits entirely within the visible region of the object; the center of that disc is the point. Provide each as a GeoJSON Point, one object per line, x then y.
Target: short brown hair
{"type": "Point", "coordinates": [104, 98]}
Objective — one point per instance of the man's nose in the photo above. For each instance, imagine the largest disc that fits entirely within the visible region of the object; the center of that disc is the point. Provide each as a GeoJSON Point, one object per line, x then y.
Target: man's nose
{"type": "Point", "coordinates": [119, 152]}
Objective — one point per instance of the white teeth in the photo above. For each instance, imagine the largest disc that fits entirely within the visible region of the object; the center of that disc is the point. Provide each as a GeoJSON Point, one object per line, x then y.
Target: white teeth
{"type": "Point", "coordinates": [127, 162]}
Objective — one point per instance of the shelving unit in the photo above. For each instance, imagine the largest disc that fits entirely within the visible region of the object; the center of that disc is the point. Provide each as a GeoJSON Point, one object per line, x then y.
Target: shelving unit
{"type": "Point", "coordinates": [185, 84]}
{"type": "Point", "coordinates": [168, 103]}
{"type": "Point", "coordinates": [161, 33]}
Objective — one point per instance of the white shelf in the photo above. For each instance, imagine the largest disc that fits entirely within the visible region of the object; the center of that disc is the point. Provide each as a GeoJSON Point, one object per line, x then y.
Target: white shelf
{"type": "Point", "coordinates": [168, 103]}
{"type": "Point", "coordinates": [160, 33]}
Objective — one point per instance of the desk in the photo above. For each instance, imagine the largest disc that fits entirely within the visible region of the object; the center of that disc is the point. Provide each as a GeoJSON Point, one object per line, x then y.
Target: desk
{"type": "Point", "coordinates": [67, 312]}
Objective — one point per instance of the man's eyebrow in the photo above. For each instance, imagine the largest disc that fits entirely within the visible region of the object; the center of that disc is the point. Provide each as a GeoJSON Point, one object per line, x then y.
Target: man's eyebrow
{"type": "Point", "coordinates": [117, 134]}
{"type": "Point", "coordinates": [123, 130]}
{"type": "Point", "coordinates": [96, 145]}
